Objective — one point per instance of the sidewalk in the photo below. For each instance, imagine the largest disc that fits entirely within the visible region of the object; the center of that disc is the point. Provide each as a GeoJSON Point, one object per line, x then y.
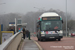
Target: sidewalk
{"type": "Point", "coordinates": [30, 45]}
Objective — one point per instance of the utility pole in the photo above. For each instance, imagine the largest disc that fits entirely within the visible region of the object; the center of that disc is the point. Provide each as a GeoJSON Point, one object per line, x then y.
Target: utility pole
{"type": "Point", "coordinates": [1, 17]}
{"type": "Point", "coordinates": [15, 26]}
{"type": "Point", "coordinates": [66, 18]}
{"type": "Point", "coordinates": [34, 24]}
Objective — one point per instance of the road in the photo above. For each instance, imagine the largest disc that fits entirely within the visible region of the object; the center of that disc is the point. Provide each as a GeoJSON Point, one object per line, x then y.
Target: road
{"type": "Point", "coordinates": [67, 43]}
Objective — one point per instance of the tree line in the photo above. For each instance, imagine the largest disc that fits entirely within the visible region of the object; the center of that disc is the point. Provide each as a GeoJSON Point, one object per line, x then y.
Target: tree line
{"type": "Point", "coordinates": [31, 18]}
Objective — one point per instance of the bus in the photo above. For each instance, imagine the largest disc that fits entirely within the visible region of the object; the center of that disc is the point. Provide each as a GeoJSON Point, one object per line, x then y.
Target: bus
{"type": "Point", "coordinates": [49, 26]}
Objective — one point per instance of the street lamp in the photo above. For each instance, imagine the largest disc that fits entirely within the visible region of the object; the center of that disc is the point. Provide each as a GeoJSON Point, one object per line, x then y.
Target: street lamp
{"type": "Point", "coordinates": [2, 3]}
{"type": "Point", "coordinates": [1, 17]}
{"type": "Point", "coordinates": [37, 8]}
{"type": "Point", "coordinates": [66, 18]}
{"type": "Point", "coordinates": [40, 9]}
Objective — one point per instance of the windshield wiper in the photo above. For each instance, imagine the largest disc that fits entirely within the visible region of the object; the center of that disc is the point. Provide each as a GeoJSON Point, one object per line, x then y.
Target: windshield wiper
{"type": "Point", "coordinates": [49, 29]}
{"type": "Point", "coordinates": [52, 29]}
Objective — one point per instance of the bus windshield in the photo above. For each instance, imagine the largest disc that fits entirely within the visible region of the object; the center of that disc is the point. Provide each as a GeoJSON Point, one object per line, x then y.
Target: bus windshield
{"type": "Point", "coordinates": [51, 25]}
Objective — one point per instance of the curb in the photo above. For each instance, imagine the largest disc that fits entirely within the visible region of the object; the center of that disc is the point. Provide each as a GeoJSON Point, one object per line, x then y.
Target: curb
{"type": "Point", "coordinates": [22, 45]}
{"type": "Point", "coordinates": [37, 45]}
{"type": "Point", "coordinates": [69, 37]}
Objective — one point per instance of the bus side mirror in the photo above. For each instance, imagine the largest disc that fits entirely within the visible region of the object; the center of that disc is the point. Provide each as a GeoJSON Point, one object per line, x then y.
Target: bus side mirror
{"type": "Point", "coordinates": [37, 26]}
{"type": "Point", "coordinates": [62, 21]}
{"type": "Point", "coordinates": [39, 22]}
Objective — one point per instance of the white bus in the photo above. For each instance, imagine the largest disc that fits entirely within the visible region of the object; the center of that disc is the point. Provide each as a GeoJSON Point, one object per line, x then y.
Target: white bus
{"type": "Point", "coordinates": [49, 26]}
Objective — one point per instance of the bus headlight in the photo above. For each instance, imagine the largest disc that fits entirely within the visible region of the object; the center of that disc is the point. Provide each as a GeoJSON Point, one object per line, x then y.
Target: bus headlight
{"type": "Point", "coordinates": [43, 35]}
{"type": "Point", "coordinates": [42, 32]}
{"type": "Point", "coordinates": [60, 31]}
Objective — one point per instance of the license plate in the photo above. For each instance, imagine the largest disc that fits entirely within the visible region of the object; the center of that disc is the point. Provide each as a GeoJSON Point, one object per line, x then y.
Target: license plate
{"type": "Point", "coordinates": [52, 37]}
{"type": "Point", "coordinates": [51, 32]}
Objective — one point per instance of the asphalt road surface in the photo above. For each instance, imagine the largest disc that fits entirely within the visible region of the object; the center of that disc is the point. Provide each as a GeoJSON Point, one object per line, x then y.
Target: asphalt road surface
{"type": "Point", "coordinates": [66, 43]}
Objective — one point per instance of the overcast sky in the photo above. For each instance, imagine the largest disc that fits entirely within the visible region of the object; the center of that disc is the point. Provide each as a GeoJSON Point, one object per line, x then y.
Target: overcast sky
{"type": "Point", "coordinates": [24, 6]}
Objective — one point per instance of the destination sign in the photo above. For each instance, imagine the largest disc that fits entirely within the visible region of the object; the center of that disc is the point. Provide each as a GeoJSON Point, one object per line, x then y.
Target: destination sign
{"type": "Point", "coordinates": [51, 18]}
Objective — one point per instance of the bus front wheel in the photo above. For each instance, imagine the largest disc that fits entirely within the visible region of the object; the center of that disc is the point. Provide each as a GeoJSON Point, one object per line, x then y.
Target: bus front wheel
{"type": "Point", "coordinates": [41, 39]}
{"type": "Point", "coordinates": [38, 39]}
{"type": "Point", "coordinates": [59, 39]}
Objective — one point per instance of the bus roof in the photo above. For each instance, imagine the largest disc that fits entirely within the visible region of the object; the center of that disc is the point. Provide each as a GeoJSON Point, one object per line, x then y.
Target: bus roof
{"type": "Point", "coordinates": [48, 14]}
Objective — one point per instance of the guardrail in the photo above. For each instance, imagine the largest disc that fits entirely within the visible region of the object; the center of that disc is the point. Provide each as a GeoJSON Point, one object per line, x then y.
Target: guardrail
{"type": "Point", "coordinates": [12, 43]}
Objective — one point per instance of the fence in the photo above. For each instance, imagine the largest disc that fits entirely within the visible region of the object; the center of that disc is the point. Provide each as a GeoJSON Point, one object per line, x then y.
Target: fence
{"type": "Point", "coordinates": [12, 43]}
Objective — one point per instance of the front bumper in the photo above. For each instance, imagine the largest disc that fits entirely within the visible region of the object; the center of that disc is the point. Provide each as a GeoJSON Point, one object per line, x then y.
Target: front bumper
{"type": "Point", "coordinates": [51, 36]}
